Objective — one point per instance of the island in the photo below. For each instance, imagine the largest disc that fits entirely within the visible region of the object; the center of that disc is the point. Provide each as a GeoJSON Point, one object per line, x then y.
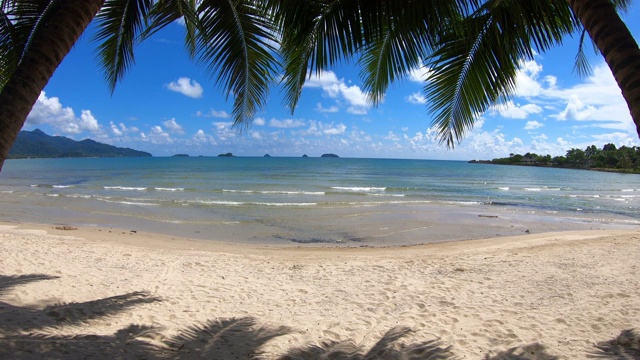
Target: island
{"type": "Point", "coordinates": [305, 155]}
{"type": "Point", "coordinates": [330, 155]}
{"type": "Point", "coordinates": [610, 158]}
{"type": "Point", "coordinates": [181, 155]}
{"type": "Point", "coordinates": [37, 144]}
{"type": "Point", "coordinates": [226, 155]}
{"type": "Point", "coordinates": [267, 155]}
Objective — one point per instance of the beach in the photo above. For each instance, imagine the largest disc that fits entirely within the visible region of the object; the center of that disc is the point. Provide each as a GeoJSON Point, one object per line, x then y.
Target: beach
{"type": "Point", "coordinates": [107, 293]}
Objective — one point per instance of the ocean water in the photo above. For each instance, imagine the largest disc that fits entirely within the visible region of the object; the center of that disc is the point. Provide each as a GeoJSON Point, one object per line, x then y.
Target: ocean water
{"type": "Point", "coordinates": [315, 200]}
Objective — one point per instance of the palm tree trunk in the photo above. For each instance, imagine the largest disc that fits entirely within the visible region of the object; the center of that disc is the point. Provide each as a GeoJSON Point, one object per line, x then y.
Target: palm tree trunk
{"type": "Point", "coordinates": [617, 45]}
{"type": "Point", "coordinates": [50, 45]}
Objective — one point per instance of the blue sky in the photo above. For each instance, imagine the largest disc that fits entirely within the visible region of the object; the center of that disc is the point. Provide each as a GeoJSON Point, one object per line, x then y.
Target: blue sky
{"type": "Point", "coordinates": [167, 105]}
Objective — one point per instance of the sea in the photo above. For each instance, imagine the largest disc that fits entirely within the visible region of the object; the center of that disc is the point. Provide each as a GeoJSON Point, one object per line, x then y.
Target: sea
{"type": "Point", "coordinates": [315, 201]}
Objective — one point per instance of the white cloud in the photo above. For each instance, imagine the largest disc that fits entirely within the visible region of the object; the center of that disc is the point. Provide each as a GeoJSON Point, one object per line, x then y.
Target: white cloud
{"type": "Point", "coordinates": [50, 111]}
{"type": "Point", "coordinates": [317, 128]}
{"type": "Point", "coordinates": [419, 74]}
{"type": "Point", "coordinates": [416, 98]}
{"type": "Point", "coordinates": [513, 111]}
{"type": "Point", "coordinates": [532, 125]}
{"type": "Point", "coordinates": [173, 126]}
{"type": "Point", "coordinates": [337, 89]}
{"type": "Point", "coordinates": [157, 136]}
{"type": "Point", "coordinates": [203, 139]}
{"type": "Point", "coordinates": [224, 130]}
{"type": "Point", "coordinates": [214, 113]}
{"type": "Point", "coordinates": [259, 121]}
{"type": "Point", "coordinates": [287, 123]}
{"type": "Point", "coordinates": [330, 109]}
{"type": "Point", "coordinates": [187, 87]}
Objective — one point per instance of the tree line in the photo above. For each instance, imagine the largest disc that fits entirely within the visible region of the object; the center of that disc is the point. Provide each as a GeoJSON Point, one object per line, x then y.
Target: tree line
{"type": "Point", "coordinates": [609, 158]}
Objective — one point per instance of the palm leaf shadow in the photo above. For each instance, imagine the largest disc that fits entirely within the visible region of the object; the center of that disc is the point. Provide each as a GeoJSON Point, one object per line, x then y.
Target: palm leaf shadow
{"type": "Point", "coordinates": [533, 351]}
{"type": "Point", "coordinates": [625, 346]}
{"type": "Point", "coordinates": [235, 338]}
{"type": "Point", "coordinates": [29, 318]}
{"type": "Point", "coordinates": [9, 282]}
{"type": "Point", "coordinates": [124, 344]}
{"type": "Point", "coordinates": [388, 347]}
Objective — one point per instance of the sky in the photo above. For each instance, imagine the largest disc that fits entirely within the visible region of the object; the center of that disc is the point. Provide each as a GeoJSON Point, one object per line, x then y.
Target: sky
{"type": "Point", "coordinates": [167, 104]}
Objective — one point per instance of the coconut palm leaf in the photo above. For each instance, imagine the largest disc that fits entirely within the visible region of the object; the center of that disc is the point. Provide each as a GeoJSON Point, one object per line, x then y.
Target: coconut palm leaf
{"type": "Point", "coordinates": [165, 12]}
{"type": "Point", "coordinates": [120, 22]}
{"type": "Point", "coordinates": [476, 63]}
{"type": "Point", "coordinates": [316, 34]}
{"type": "Point", "coordinates": [19, 22]}
{"type": "Point", "coordinates": [236, 44]}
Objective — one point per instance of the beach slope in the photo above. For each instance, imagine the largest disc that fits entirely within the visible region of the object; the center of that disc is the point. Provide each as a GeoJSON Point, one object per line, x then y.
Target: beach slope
{"type": "Point", "coordinates": [120, 294]}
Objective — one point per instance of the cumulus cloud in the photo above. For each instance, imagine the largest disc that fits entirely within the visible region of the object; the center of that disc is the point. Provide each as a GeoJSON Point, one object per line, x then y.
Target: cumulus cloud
{"type": "Point", "coordinates": [173, 126]}
{"type": "Point", "coordinates": [420, 74]}
{"type": "Point", "coordinates": [318, 128]}
{"type": "Point", "coordinates": [516, 111]}
{"type": "Point", "coordinates": [416, 98]}
{"type": "Point", "coordinates": [259, 121]}
{"type": "Point", "coordinates": [330, 109]}
{"type": "Point", "coordinates": [286, 123]}
{"type": "Point", "coordinates": [157, 136]}
{"type": "Point", "coordinates": [532, 125]}
{"type": "Point", "coordinates": [201, 138]}
{"type": "Point", "coordinates": [334, 88]}
{"type": "Point", "coordinates": [187, 87]}
{"type": "Point", "coordinates": [214, 113]}
{"type": "Point", "coordinates": [49, 110]}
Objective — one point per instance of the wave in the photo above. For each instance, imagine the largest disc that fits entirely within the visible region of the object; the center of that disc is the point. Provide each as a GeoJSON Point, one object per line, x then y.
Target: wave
{"type": "Point", "coordinates": [277, 192]}
{"type": "Point", "coordinates": [359, 189]}
{"type": "Point", "coordinates": [62, 186]}
{"type": "Point", "coordinates": [245, 203]}
{"type": "Point", "coordinates": [125, 188]}
{"type": "Point", "coordinates": [128, 202]}
{"type": "Point", "coordinates": [503, 188]}
{"type": "Point", "coordinates": [536, 189]}
{"type": "Point", "coordinates": [168, 189]}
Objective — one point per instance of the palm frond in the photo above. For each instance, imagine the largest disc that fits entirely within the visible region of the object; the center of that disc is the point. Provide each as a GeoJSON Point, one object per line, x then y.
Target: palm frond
{"type": "Point", "coordinates": [582, 68]}
{"type": "Point", "coordinates": [119, 24]}
{"type": "Point", "coordinates": [476, 64]}
{"type": "Point", "coordinates": [236, 44]}
{"type": "Point", "coordinates": [165, 12]}
{"type": "Point", "coordinates": [19, 22]}
{"type": "Point", "coordinates": [316, 34]}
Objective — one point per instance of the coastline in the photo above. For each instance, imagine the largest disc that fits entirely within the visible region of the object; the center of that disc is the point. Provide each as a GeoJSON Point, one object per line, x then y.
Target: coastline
{"type": "Point", "coordinates": [118, 293]}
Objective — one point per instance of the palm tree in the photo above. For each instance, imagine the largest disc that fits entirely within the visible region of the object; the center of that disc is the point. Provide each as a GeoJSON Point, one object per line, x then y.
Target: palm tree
{"type": "Point", "coordinates": [233, 39]}
{"type": "Point", "coordinates": [471, 49]}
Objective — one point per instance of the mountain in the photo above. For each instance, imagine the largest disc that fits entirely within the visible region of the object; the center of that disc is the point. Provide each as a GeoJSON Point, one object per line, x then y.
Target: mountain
{"type": "Point", "coordinates": [37, 144]}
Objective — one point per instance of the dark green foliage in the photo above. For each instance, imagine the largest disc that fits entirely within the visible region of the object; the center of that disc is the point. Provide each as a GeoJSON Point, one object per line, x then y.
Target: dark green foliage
{"type": "Point", "coordinates": [37, 144]}
{"type": "Point", "coordinates": [609, 158]}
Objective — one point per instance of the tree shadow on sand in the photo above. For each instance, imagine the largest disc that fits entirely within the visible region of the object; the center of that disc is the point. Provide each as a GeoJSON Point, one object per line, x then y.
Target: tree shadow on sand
{"type": "Point", "coordinates": [388, 347]}
{"type": "Point", "coordinates": [533, 351]}
{"type": "Point", "coordinates": [625, 346]}
{"type": "Point", "coordinates": [29, 318]}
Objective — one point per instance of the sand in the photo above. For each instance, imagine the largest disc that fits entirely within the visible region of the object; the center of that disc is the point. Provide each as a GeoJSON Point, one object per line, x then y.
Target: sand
{"type": "Point", "coordinates": [98, 293]}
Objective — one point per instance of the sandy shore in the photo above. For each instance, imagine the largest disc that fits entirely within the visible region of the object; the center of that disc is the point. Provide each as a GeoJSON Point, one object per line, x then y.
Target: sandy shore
{"type": "Point", "coordinates": [117, 294]}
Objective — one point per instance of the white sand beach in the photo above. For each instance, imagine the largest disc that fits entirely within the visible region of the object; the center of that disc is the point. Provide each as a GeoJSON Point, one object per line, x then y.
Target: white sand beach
{"type": "Point", "coordinates": [99, 293]}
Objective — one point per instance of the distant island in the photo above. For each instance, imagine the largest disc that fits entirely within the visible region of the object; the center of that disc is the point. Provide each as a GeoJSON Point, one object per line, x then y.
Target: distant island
{"type": "Point", "coordinates": [267, 155]}
{"type": "Point", "coordinates": [330, 155]}
{"type": "Point", "coordinates": [226, 155]}
{"type": "Point", "coordinates": [305, 155]}
{"type": "Point", "coordinates": [37, 144]}
{"type": "Point", "coordinates": [181, 155]}
{"type": "Point", "coordinates": [610, 158]}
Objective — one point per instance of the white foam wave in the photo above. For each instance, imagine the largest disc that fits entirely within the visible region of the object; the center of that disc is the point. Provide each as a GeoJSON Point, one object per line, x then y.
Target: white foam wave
{"type": "Point", "coordinates": [503, 188]}
{"type": "Point", "coordinates": [388, 195]}
{"type": "Point", "coordinates": [125, 188]}
{"type": "Point", "coordinates": [53, 195]}
{"type": "Point", "coordinates": [129, 202]}
{"type": "Point", "coordinates": [168, 189]}
{"type": "Point", "coordinates": [358, 189]}
{"type": "Point", "coordinates": [62, 186]}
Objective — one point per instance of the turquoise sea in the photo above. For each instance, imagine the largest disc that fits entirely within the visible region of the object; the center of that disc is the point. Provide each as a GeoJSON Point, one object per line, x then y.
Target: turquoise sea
{"type": "Point", "coordinates": [315, 200]}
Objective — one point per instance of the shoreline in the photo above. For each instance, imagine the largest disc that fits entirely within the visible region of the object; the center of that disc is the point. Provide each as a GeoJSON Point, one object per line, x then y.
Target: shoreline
{"type": "Point", "coordinates": [112, 293]}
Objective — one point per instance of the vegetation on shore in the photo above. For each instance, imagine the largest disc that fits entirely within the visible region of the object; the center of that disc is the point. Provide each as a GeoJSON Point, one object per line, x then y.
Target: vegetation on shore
{"type": "Point", "coordinates": [609, 158]}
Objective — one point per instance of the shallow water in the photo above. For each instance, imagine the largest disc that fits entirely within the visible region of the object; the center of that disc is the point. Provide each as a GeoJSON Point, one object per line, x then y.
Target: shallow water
{"type": "Point", "coordinates": [315, 200]}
